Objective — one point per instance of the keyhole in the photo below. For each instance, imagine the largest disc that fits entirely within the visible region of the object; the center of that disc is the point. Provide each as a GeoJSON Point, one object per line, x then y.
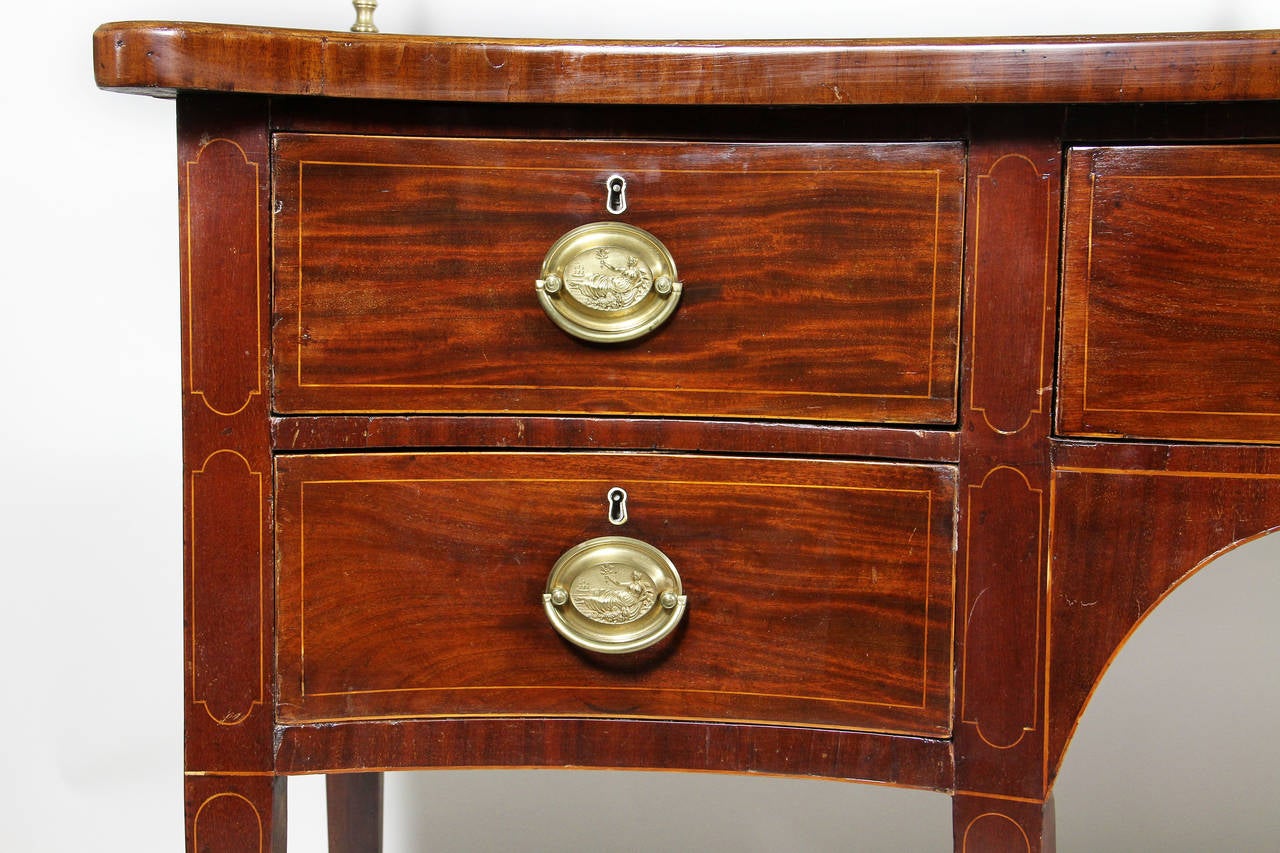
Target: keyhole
{"type": "Point", "coordinates": [616, 194]}
{"type": "Point", "coordinates": [617, 506]}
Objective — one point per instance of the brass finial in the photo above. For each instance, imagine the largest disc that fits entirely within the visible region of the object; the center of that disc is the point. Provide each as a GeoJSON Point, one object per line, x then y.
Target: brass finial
{"type": "Point", "coordinates": [364, 16]}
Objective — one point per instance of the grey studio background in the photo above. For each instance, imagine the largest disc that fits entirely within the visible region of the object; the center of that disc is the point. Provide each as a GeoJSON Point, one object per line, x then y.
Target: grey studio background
{"type": "Point", "coordinates": [1176, 752]}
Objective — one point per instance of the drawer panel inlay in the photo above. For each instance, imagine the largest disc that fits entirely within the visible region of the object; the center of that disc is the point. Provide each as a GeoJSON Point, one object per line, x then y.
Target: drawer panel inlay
{"type": "Point", "coordinates": [1171, 293]}
{"type": "Point", "coordinates": [222, 246]}
{"type": "Point", "coordinates": [411, 585]}
{"type": "Point", "coordinates": [820, 281]}
{"type": "Point", "coordinates": [227, 586]}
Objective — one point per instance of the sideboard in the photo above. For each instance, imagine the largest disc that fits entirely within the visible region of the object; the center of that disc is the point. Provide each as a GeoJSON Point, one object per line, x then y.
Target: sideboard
{"type": "Point", "coordinates": [824, 408]}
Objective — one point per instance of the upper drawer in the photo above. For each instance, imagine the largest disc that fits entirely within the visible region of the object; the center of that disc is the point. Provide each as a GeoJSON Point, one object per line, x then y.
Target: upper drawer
{"type": "Point", "coordinates": [820, 281]}
{"type": "Point", "coordinates": [1172, 293]}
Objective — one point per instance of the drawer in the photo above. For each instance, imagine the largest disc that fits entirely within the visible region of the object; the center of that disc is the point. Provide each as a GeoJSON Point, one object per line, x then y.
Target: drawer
{"type": "Point", "coordinates": [819, 593]}
{"type": "Point", "coordinates": [815, 281]}
{"type": "Point", "coordinates": [1172, 293]}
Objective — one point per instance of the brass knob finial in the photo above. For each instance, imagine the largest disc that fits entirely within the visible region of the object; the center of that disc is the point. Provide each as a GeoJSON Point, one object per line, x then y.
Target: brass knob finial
{"type": "Point", "coordinates": [364, 16]}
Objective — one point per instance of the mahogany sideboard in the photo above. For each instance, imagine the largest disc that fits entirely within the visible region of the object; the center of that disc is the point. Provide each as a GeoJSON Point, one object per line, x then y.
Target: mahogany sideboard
{"type": "Point", "coordinates": [821, 408]}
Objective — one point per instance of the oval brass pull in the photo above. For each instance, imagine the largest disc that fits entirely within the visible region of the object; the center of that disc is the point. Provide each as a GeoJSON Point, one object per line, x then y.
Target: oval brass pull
{"type": "Point", "coordinates": [608, 282]}
{"type": "Point", "coordinates": [614, 594]}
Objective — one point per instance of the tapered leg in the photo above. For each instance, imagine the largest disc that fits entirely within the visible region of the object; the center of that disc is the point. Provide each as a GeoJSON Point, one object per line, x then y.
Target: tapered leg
{"type": "Point", "coordinates": [993, 825]}
{"type": "Point", "coordinates": [235, 813]}
{"type": "Point", "coordinates": [355, 812]}
{"type": "Point", "coordinates": [234, 801]}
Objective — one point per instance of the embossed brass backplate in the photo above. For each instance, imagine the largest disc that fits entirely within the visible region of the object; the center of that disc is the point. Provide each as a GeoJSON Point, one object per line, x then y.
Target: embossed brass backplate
{"type": "Point", "coordinates": [614, 594]}
{"type": "Point", "coordinates": [608, 282]}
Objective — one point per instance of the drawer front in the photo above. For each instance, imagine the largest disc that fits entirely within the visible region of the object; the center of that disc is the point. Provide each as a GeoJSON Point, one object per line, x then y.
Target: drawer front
{"type": "Point", "coordinates": [1172, 293]}
{"type": "Point", "coordinates": [819, 593]}
{"type": "Point", "coordinates": [819, 281]}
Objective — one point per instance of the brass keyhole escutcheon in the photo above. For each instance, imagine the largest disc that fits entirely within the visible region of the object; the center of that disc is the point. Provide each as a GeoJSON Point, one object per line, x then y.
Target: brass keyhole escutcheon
{"type": "Point", "coordinates": [615, 200]}
{"type": "Point", "coordinates": [617, 506]}
{"type": "Point", "coordinates": [608, 282]}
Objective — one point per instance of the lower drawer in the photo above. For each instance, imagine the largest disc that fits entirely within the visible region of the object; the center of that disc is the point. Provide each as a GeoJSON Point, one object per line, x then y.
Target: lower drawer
{"type": "Point", "coordinates": [819, 593]}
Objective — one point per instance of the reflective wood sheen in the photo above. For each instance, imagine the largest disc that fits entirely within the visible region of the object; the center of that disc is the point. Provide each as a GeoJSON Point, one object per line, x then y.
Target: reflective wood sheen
{"type": "Point", "coordinates": [387, 445]}
{"type": "Point", "coordinates": [162, 58]}
{"type": "Point", "coordinates": [819, 592]}
{"type": "Point", "coordinates": [405, 268]}
{"type": "Point", "coordinates": [1170, 285]}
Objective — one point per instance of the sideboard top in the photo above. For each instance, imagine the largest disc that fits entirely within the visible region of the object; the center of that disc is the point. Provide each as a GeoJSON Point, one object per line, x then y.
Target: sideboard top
{"type": "Point", "coordinates": [163, 58]}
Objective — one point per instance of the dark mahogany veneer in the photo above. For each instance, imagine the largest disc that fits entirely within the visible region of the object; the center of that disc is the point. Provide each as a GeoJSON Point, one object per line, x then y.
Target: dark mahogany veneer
{"type": "Point", "coordinates": [975, 362]}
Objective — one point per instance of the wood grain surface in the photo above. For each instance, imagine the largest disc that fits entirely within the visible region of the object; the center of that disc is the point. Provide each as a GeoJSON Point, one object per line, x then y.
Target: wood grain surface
{"type": "Point", "coordinates": [604, 743]}
{"type": "Point", "coordinates": [1130, 524]}
{"type": "Point", "coordinates": [820, 592]}
{"type": "Point", "coordinates": [821, 281]}
{"type": "Point", "coordinates": [233, 804]}
{"type": "Point", "coordinates": [1171, 293]}
{"type": "Point", "coordinates": [354, 804]}
{"type": "Point", "coordinates": [337, 432]}
{"type": "Point", "coordinates": [1011, 300]}
{"type": "Point", "coordinates": [162, 58]}
{"type": "Point", "coordinates": [387, 444]}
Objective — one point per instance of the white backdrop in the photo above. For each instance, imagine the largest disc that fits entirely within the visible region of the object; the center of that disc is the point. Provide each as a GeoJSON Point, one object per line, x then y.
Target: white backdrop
{"type": "Point", "coordinates": [1177, 751]}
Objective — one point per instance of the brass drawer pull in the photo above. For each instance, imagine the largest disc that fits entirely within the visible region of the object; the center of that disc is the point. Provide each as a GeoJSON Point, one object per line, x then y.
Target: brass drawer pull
{"type": "Point", "coordinates": [614, 594]}
{"type": "Point", "coordinates": [608, 282]}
